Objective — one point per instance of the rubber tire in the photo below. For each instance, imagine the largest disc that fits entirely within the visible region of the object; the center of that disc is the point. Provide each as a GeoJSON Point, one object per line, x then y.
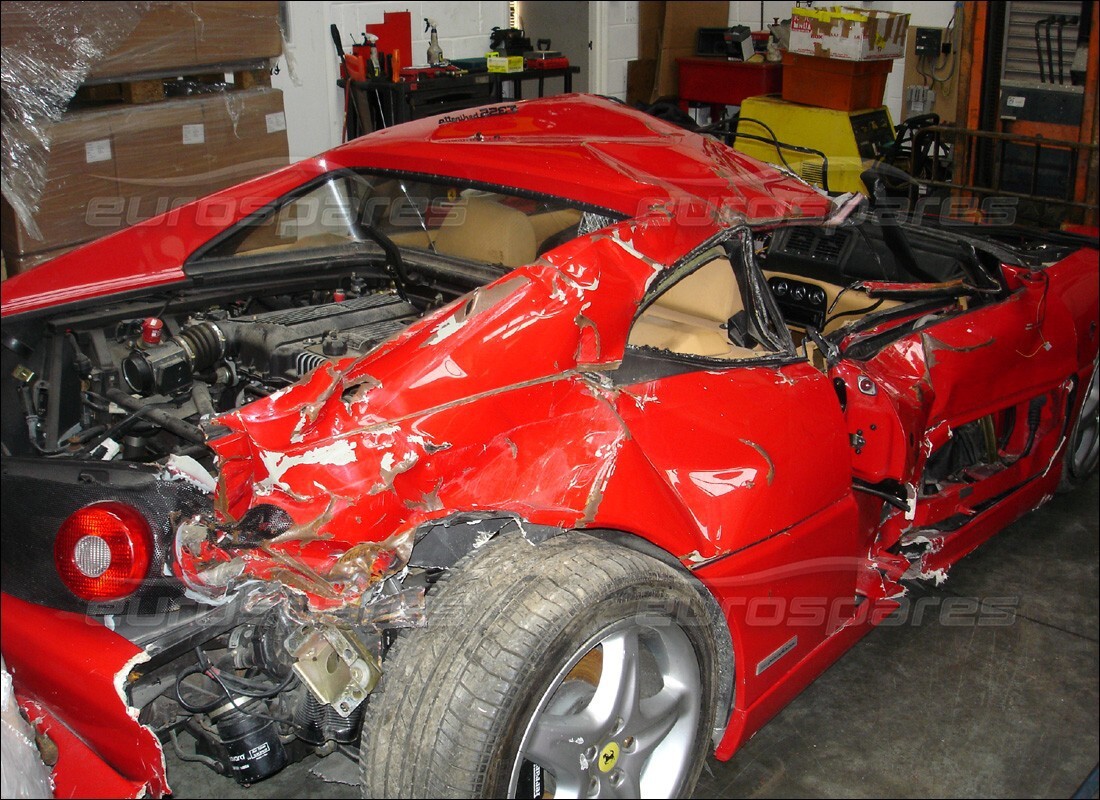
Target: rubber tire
{"type": "Point", "coordinates": [456, 696]}
{"type": "Point", "coordinates": [1072, 477]}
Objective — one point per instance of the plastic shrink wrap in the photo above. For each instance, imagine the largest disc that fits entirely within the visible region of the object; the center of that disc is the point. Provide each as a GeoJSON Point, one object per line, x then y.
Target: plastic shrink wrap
{"type": "Point", "coordinates": [77, 166]}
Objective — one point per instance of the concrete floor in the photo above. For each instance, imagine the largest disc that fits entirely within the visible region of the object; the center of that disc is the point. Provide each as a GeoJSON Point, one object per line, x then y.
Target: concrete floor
{"type": "Point", "coordinates": [928, 706]}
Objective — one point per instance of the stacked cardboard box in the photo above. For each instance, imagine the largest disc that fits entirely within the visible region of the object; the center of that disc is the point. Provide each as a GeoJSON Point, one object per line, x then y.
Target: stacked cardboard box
{"type": "Point", "coordinates": [841, 58]}
{"type": "Point", "coordinates": [160, 36]}
{"type": "Point", "coordinates": [667, 31]}
{"type": "Point", "coordinates": [111, 168]}
{"type": "Point", "coordinates": [848, 34]}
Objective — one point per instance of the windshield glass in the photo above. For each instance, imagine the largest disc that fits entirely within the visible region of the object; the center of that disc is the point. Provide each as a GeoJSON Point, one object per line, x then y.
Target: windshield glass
{"type": "Point", "coordinates": [439, 217]}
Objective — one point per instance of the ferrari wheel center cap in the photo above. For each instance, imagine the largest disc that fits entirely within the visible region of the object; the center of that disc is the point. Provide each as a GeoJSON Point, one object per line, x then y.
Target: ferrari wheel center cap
{"type": "Point", "coordinates": [609, 756]}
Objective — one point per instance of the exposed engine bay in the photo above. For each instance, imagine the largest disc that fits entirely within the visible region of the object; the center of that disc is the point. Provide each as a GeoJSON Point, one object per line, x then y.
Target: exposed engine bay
{"type": "Point", "coordinates": [139, 386]}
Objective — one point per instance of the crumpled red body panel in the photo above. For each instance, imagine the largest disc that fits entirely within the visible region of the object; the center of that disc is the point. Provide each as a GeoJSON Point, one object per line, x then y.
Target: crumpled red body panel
{"type": "Point", "coordinates": [76, 673]}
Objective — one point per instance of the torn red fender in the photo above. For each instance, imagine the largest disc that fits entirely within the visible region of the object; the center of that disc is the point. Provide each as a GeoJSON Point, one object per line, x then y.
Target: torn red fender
{"type": "Point", "coordinates": [68, 666]}
{"type": "Point", "coordinates": [79, 772]}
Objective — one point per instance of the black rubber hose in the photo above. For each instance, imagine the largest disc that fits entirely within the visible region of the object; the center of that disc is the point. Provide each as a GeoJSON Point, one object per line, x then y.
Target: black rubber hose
{"type": "Point", "coordinates": [891, 499]}
{"type": "Point", "coordinates": [194, 669]}
{"type": "Point", "coordinates": [109, 433]}
{"type": "Point", "coordinates": [158, 416]}
{"type": "Point", "coordinates": [200, 393]}
{"type": "Point", "coordinates": [1034, 416]}
{"type": "Point", "coordinates": [1039, 52]}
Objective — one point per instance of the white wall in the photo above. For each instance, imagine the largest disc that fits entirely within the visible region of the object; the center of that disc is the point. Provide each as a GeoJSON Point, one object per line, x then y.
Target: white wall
{"type": "Point", "coordinates": [748, 13]}
{"type": "Point", "coordinates": [314, 105]}
{"type": "Point", "coordinates": [622, 44]}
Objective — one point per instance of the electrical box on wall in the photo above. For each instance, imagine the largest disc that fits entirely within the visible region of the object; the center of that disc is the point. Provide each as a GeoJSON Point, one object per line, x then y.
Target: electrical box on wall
{"type": "Point", "coordinates": [918, 100]}
{"type": "Point", "coordinates": [931, 79]}
{"type": "Point", "coordinates": [929, 42]}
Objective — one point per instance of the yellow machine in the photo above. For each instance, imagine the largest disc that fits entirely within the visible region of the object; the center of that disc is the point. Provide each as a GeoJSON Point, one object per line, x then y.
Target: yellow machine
{"type": "Point", "coordinates": [825, 147]}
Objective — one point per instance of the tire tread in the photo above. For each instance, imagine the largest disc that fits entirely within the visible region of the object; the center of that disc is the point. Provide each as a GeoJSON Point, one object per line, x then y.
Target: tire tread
{"type": "Point", "coordinates": [429, 728]}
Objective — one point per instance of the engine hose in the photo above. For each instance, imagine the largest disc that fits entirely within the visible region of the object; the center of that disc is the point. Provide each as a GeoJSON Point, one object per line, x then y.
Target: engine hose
{"type": "Point", "coordinates": [214, 764]}
{"type": "Point", "coordinates": [158, 416]}
{"type": "Point", "coordinates": [244, 686]}
{"type": "Point", "coordinates": [109, 433]}
{"type": "Point", "coordinates": [87, 434]}
{"type": "Point", "coordinates": [255, 689]}
{"type": "Point", "coordinates": [205, 344]}
{"type": "Point", "coordinates": [195, 669]}
{"type": "Point", "coordinates": [200, 393]}
{"type": "Point", "coordinates": [1034, 416]}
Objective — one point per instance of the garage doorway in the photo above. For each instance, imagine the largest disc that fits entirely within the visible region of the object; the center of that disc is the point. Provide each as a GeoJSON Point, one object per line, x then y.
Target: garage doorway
{"type": "Point", "coordinates": [566, 24]}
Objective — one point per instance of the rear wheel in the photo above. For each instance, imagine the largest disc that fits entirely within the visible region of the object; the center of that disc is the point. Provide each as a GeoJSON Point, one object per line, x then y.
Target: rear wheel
{"type": "Point", "coordinates": [574, 668]}
{"type": "Point", "coordinates": [1083, 447]}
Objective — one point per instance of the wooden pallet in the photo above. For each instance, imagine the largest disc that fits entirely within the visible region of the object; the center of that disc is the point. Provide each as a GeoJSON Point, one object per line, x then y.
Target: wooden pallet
{"type": "Point", "coordinates": [144, 90]}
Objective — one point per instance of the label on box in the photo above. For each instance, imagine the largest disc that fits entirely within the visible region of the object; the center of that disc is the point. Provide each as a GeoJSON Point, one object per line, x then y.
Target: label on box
{"type": "Point", "coordinates": [276, 122]}
{"type": "Point", "coordinates": [1016, 102]}
{"type": "Point", "coordinates": [99, 150]}
{"type": "Point", "coordinates": [194, 134]}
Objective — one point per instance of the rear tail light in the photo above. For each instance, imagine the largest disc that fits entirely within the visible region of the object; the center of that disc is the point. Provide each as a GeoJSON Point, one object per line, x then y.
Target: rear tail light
{"type": "Point", "coordinates": [102, 551]}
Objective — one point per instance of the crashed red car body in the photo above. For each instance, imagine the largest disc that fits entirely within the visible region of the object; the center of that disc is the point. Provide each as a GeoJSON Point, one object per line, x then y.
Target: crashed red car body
{"type": "Point", "coordinates": [707, 372]}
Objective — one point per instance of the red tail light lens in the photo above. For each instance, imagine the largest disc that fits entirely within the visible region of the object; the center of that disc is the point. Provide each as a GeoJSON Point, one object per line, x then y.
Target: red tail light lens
{"type": "Point", "coordinates": [102, 551]}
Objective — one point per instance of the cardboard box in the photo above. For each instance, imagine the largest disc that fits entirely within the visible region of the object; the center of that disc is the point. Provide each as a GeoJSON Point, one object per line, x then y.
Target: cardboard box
{"type": "Point", "coordinates": [81, 170]}
{"type": "Point", "coordinates": [641, 77]}
{"type": "Point", "coordinates": [164, 37]}
{"type": "Point", "coordinates": [227, 32]}
{"type": "Point", "coordinates": [162, 157]}
{"type": "Point", "coordinates": [247, 136]}
{"type": "Point", "coordinates": [504, 63]}
{"type": "Point", "coordinates": [23, 263]}
{"type": "Point", "coordinates": [667, 31]}
{"type": "Point", "coordinates": [158, 37]}
{"type": "Point", "coordinates": [848, 34]}
{"type": "Point", "coordinates": [651, 17]}
{"type": "Point", "coordinates": [110, 169]}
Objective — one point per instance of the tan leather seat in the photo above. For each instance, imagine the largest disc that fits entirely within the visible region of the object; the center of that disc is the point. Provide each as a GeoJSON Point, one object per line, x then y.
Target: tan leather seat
{"type": "Point", "coordinates": [551, 223]}
{"type": "Point", "coordinates": [487, 231]}
{"type": "Point", "coordinates": [690, 318]}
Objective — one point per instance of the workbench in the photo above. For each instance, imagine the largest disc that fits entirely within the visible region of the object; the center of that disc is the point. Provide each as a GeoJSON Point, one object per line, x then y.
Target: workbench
{"type": "Point", "coordinates": [378, 103]}
{"type": "Point", "coordinates": [517, 79]}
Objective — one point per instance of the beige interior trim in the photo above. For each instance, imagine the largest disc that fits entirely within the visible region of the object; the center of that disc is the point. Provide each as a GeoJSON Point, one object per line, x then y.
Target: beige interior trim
{"type": "Point", "coordinates": [474, 237]}
{"type": "Point", "coordinates": [306, 242]}
{"type": "Point", "coordinates": [411, 238]}
{"type": "Point", "coordinates": [690, 317]}
{"type": "Point", "coordinates": [489, 232]}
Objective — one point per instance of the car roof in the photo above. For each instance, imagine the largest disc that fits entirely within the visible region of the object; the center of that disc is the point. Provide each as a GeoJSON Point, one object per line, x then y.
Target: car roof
{"type": "Point", "coordinates": [591, 150]}
{"type": "Point", "coordinates": [586, 149]}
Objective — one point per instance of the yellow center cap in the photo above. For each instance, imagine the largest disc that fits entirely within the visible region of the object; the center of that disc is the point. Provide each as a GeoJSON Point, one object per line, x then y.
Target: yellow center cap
{"type": "Point", "coordinates": [609, 756]}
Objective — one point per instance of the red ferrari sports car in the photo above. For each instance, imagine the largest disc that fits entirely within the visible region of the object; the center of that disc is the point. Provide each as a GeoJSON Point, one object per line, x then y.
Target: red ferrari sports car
{"type": "Point", "coordinates": [541, 449]}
